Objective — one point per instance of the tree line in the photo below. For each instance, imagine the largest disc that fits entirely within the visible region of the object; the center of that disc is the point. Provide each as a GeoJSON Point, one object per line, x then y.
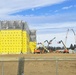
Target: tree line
{"type": "Point", "coordinates": [72, 47]}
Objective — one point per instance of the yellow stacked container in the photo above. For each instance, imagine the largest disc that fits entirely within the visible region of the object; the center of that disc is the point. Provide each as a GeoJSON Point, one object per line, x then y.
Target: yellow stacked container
{"type": "Point", "coordinates": [25, 42]}
{"type": "Point", "coordinates": [15, 38]}
{"type": "Point", "coordinates": [32, 40]}
{"type": "Point", "coordinates": [11, 41]}
{"type": "Point", "coordinates": [32, 46]}
{"type": "Point", "coordinates": [14, 42]}
{"type": "Point", "coordinates": [0, 43]}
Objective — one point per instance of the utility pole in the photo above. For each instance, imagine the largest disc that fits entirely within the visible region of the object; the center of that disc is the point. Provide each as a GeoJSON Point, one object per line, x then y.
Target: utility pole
{"type": "Point", "coordinates": [21, 66]}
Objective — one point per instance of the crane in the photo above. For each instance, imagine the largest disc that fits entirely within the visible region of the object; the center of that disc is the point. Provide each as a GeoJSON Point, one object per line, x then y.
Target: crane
{"type": "Point", "coordinates": [74, 35]}
{"type": "Point", "coordinates": [67, 35]}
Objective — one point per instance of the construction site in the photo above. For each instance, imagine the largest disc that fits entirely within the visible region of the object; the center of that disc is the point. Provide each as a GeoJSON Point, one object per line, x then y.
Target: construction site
{"type": "Point", "coordinates": [19, 54]}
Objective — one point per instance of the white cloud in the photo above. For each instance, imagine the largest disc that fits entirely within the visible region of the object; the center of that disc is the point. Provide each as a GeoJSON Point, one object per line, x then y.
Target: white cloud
{"type": "Point", "coordinates": [32, 9]}
{"type": "Point", "coordinates": [43, 19]}
{"type": "Point", "coordinates": [42, 22]}
{"type": "Point", "coordinates": [67, 7]}
{"type": "Point", "coordinates": [59, 33]}
{"type": "Point", "coordinates": [11, 6]}
{"type": "Point", "coordinates": [56, 25]}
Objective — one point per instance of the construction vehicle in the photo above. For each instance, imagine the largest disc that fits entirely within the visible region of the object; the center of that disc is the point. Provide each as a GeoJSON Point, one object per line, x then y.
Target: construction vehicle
{"type": "Point", "coordinates": [66, 50]}
{"type": "Point", "coordinates": [49, 42]}
{"type": "Point", "coordinates": [39, 51]}
{"type": "Point", "coordinates": [44, 50]}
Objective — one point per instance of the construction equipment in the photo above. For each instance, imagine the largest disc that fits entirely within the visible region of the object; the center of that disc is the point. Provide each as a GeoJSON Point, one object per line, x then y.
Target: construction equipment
{"type": "Point", "coordinates": [66, 50]}
{"type": "Point", "coordinates": [45, 49]}
{"type": "Point", "coordinates": [67, 35]}
{"type": "Point", "coordinates": [49, 42]}
{"type": "Point", "coordinates": [38, 51]}
{"type": "Point", "coordinates": [74, 35]}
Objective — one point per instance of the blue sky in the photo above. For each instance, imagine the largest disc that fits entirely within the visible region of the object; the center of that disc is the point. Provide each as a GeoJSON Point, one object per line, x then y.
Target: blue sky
{"type": "Point", "coordinates": [65, 7]}
{"type": "Point", "coordinates": [51, 18]}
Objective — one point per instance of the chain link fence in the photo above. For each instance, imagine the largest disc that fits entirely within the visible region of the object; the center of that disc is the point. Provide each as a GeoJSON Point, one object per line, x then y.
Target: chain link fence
{"type": "Point", "coordinates": [38, 66]}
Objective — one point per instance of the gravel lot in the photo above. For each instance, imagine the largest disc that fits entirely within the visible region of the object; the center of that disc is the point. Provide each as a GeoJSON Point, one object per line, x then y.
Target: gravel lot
{"type": "Point", "coordinates": [39, 67]}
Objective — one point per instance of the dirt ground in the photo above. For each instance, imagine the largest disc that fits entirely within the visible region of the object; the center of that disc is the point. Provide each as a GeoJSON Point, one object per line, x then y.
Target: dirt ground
{"type": "Point", "coordinates": [39, 67]}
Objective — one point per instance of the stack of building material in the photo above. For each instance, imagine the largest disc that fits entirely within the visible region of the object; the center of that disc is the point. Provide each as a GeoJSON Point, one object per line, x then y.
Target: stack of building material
{"type": "Point", "coordinates": [33, 35]}
{"type": "Point", "coordinates": [32, 40]}
{"type": "Point", "coordinates": [14, 37]}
